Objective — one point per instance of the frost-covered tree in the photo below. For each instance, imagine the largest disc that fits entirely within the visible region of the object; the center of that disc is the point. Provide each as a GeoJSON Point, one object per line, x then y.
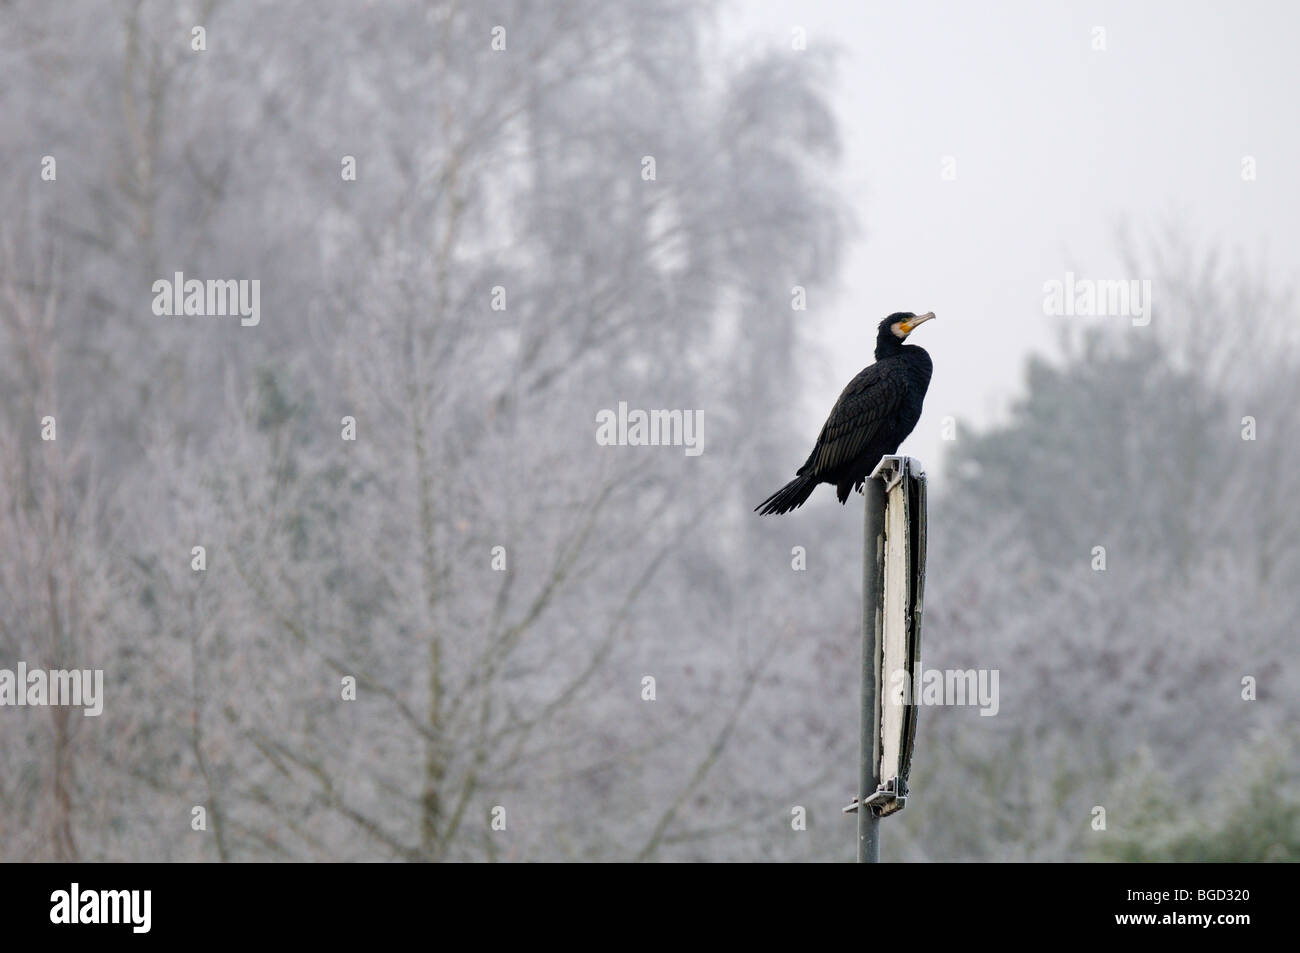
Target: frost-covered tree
{"type": "Point", "coordinates": [1114, 549]}
{"type": "Point", "coordinates": [474, 231]}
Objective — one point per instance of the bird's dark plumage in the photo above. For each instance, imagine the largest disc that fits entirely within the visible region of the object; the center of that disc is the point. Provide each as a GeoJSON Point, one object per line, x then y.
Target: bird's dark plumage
{"type": "Point", "coordinates": [873, 415]}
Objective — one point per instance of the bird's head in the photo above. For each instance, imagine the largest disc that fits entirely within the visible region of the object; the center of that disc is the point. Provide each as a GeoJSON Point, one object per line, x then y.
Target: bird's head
{"type": "Point", "coordinates": [895, 329]}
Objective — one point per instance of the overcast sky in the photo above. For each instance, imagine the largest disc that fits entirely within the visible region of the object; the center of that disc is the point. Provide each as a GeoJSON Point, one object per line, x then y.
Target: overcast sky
{"type": "Point", "coordinates": [1055, 145]}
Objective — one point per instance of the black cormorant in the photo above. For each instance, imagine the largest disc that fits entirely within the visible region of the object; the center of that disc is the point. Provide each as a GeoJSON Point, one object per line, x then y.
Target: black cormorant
{"type": "Point", "coordinates": [873, 415]}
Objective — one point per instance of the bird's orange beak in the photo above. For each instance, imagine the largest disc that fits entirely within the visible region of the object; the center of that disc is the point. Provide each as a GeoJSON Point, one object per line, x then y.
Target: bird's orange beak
{"type": "Point", "coordinates": [909, 326]}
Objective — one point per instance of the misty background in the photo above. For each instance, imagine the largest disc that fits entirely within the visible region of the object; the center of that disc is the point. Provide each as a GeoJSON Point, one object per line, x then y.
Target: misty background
{"type": "Point", "coordinates": [794, 146]}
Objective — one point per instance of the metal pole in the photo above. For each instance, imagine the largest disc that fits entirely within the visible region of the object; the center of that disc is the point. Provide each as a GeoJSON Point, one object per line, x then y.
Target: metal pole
{"type": "Point", "coordinates": [873, 583]}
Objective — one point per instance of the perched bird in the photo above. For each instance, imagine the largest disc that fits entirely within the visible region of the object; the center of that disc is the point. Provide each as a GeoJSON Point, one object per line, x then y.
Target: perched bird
{"type": "Point", "coordinates": [873, 415]}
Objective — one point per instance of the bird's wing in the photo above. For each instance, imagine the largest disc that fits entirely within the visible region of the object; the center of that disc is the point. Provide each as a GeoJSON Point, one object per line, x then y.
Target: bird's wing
{"type": "Point", "coordinates": [870, 399]}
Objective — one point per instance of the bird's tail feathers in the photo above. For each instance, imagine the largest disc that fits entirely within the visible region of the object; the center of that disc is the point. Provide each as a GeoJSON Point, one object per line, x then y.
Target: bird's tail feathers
{"type": "Point", "coordinates": [789, 497]}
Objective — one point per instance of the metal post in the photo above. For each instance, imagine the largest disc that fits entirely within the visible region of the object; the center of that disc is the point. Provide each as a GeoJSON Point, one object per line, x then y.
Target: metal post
{"type": "Point", "coordinates": [873, 581]}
